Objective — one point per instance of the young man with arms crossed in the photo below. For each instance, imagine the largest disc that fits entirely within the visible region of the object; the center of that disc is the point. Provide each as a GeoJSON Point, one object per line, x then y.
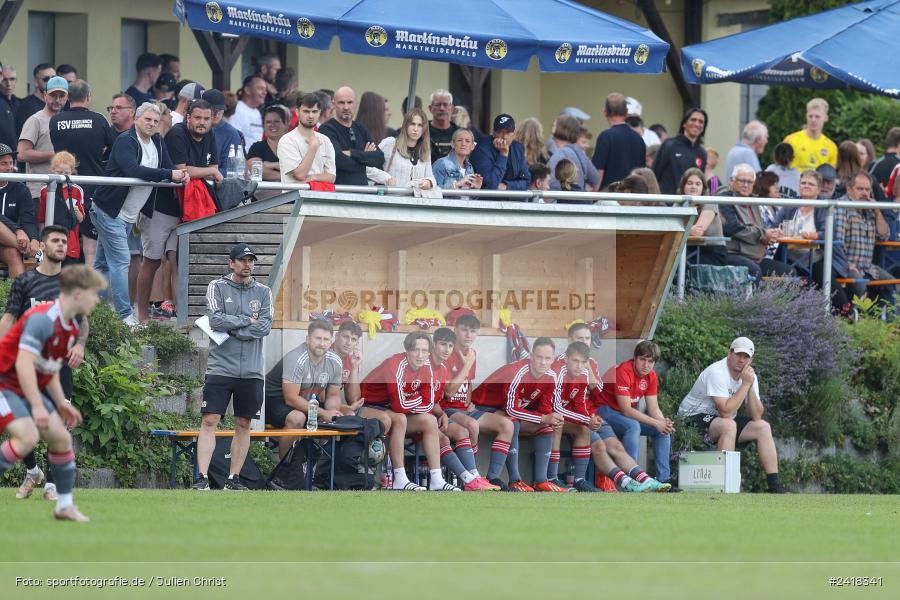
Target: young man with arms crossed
{"type": "Point", "coordinates": [713, 402]}
{"type": "Point", "coordinates": [312, 370]}
{"type": "Point", "coordinates": [28, 290]}
{"type": "Point", "coordinates": [31, 355]}
{"type": "Point", "coordinates": [457, 400]}
{"type": "Point", "coordinates": [624, 387]}
{"type": "Point", "coordinates": [521, 389]}
{"type": "Point", "coordinates": [462, 461]}
{"type": "Point", "coordinates": [403, 386]}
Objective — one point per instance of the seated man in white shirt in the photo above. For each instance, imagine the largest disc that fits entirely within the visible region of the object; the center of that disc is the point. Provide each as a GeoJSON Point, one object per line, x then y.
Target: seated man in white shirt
{"type": "Point", "coordinates": [305, 155]}
{"type": "Point", "coordinates": [713, 402]}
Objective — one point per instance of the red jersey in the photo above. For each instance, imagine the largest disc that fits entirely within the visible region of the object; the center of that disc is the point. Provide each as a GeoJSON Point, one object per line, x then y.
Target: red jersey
{"type": "Point", "coordinates": [42, 332]}
{"type": "Point", "coordinates": [514, 388]}
{"type": "Point", "coordinates": [572, 397]}
{"type": "Point", "coordinates": [394, 382]}
{"type": "Point", "coordinates": [346, 368]}
{"type": "Point", "coordinates": [461, 398]}
{"type": "Point", "coordinates": [441, 379]}
{"type": "Point", "coordinates": [593, 393]}
{"type": "Point", "coordinates": [623, 381]}
{"type": "Point", "coordinates": [74, 203]}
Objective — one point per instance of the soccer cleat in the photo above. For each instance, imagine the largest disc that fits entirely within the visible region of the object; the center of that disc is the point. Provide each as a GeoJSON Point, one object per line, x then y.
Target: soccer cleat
{"type": "Point", "coordinates": [636, 488]}
{"type": "Point", "coordinates": [233, 484]}
{"type": "Point", "coordinates": [499, 483]}
{"type": "Point", "coordinates": [657, 486]}
{"type": "Point", "coordinates": [549, 486]}
{"type": "Point", "coordinates": [479, 484]}
{"type": "Point", "coordinates": [776, 489]}
{"type": "Point", "coordinates": [583, 485]}
{"type": "Point", "coordinates": [201, 483]}
{"type": "Point", "coordinates": [562, 484]}
{"type": "Point", "coordinates": [31, 482]}
{"type": "Point", "coordinates": [447, 487]}
{"type": "Point", "coordinates": [409, 486]}
{"type": "Point", "coordinates": [50, 492]}
{"type": "Point", "coordinates": [70, 513]}
{"type": "Point", "coordinates": [520, 486]}
{"type": "Point", "coordinates": [487, 486]}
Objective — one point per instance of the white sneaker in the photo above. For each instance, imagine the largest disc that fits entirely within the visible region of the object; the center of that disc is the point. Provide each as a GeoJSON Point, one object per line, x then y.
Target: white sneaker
{"type": "Point", "coordinates": [132, 322]}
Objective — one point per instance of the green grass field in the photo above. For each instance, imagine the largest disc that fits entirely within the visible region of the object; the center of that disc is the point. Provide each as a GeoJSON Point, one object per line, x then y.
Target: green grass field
{"type": "Point", "coordinates": [345, 544]}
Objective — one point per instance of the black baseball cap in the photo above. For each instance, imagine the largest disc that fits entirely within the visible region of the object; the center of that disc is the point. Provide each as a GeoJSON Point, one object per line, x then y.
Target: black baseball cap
{"type": "Point", "coordinates": [215, 98]}
{"type": "Point", "coordinates": [240, 251]}
{"type": "Point", "coordinates": [6, 150]}
{"type": "Point", "coordinates": [504, 121]}
{"type": "Point", "coordinates": [166, 83]}
{"type": "Point", "coordinates": [827, 172]}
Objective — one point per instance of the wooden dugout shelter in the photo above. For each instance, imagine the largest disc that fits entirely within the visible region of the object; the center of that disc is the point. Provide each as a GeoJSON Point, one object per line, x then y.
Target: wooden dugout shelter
{"type": "Point", "coordinates": [548, 263]}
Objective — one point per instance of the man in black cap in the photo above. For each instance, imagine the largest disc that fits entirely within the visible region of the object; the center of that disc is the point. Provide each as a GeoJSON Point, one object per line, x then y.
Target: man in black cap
{"type": "Point", "coordinates": [829, 181]}
{"type": "Point", "coordinates": [500, 159]}
{"type": "Point", "coordinates": [225, 134]}
{"type": "Point", "coordinates": [242, 307]}
{"type": "Point", "coordinates": [18, 223]}
{"type": "Point", "coordinates": [164, 90]}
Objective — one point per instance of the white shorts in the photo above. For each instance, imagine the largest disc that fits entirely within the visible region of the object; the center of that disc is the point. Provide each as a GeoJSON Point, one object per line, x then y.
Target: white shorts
{"type": "Point", "coordinates": [158, 234]}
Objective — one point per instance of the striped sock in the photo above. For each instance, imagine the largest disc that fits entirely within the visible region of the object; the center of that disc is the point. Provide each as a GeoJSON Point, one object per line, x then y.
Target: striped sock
{"type": "Point", "coordinates": [465, 454]}
{"type": "Point", "coordinates": [512, 459]}
{"type": "Point", "coordinates": [8, 456]}
{"type": "Point", "coordinates": [617, 475]}
{"type": "Point", "coordinates": [499, 451]}
{"type": "Point", "coordinates": [63, 466]}
{"type": "Point", "coordinates": [582, 456]}
{"type": "Point", "coordinates": [553, 471]}
{"type": "Point", "coordinates": [451, 461]}
{"type": "Point", "coordinates": [638, 474]}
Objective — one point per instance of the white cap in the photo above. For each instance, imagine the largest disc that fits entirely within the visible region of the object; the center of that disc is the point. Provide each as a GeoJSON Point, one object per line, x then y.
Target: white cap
{"type": "Point", "coordinates": [633, 106]}
{"type": "Point", "coordinates": [744, 345]}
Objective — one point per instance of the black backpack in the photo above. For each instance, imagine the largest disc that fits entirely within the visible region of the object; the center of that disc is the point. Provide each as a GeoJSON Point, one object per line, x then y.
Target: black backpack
{"type": "Point", "coordinates": [220, 467]}
{"type": "Point", "coordinates": [355, 457]}
{"type": "Point", "coordinates": [290, 472]}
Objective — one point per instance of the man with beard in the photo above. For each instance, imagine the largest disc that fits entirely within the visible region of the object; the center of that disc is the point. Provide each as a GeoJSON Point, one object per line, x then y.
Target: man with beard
{"type": "Point", "coordinates": [305, 155]}
{"type": "Point", "coordinates": [441, 128]}
{"type": "Point", "coordinates": [353, 145]}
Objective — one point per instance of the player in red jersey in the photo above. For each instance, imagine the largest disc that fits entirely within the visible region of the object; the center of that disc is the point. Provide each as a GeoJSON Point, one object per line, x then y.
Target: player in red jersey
{"type": "Point", "coordinates": [31, 355]}
{"type": "Point", "coordinates": [403, 386]}
{"type": "Point", "coordinates": [592, 437]}
{"type": "Point", "coordinates": [521, 389]}
{"type": "Point", "coordinates": [462, 460]}
{"type": "Point", "coordinates": [457, 400]}
{"type": "Point", "coordinates": [346, 346]}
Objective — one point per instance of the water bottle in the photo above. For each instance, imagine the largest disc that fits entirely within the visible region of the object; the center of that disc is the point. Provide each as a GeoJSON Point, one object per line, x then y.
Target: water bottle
{"type": "Point", "coordinates": [387, 474]}
{"type": "Point", "coordinates": [570, 474]}
{"type": "Point", "coordinates": [240, 163]}
{"type": "Point", "coordinates": [229, 166]}
{"type": "Point", "coordinates": [312, 420]}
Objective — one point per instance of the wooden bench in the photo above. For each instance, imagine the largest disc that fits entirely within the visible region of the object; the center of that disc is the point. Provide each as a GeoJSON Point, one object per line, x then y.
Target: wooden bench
{"type": "Point", "coordinates": [184, 443]}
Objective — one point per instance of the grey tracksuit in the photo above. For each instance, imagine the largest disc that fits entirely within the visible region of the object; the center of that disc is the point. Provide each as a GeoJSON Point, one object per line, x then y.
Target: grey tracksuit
{"type": "Point", "coordinates": [230, 306]}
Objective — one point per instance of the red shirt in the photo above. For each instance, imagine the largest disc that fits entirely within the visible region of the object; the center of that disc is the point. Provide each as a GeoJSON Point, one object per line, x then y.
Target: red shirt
{"type": "Point", "coordinates": [394, 382]}
{"type": "Point", "coordinates": [514, 388]}
{"type": "Point", "coordinates": [441, 378]}
{"type": "Point", "coordinates": [623, 381]}
{"type": "Point", "coordinates": [593, 393]}
{"type": "Point", "coordinates": [76, 202]}
{"type": "Point", "coordinates": [346, 367]}
{"type": "Point", "coordinates": [572, 396]}
{"type": "Point", "coordinates": [42, 332]}
{"type": "Point", "coordinates": [461, 398]}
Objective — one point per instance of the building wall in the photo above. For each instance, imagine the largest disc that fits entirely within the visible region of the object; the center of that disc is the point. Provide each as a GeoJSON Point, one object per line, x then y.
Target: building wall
{"type": "Point", "coordinates": [88, 35]}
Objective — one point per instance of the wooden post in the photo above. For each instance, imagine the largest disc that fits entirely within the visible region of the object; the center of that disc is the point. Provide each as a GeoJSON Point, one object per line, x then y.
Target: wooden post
{"type": "Point", "coordinates": [490, 282]}
{"type": "Point", "coordinates": [8, 13]}
{"type": "Point", "coordinates": [690, 94]}
{"type": "Point", "coordinates": [221, 54]}
{"type": "Point", "coordinates": [584, 285]}
{"type": "Point", "coordinates": [304, 280]}
{"type": "Point", "coordinates": [397, 282]}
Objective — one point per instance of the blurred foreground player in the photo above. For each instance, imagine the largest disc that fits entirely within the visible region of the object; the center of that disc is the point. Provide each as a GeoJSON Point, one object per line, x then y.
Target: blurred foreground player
{"type": "Point", "coordinates": [31, 355]}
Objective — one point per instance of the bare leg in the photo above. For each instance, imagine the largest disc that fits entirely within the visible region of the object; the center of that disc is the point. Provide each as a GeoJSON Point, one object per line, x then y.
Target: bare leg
{"type": "Point", "coordinates": [206, 441]}
{"type": "Point", "coordinates": [13, 259]}
{"type": "Point", "coordinates": [172, 262]}
{"type": "Point", "coordinates": [427, 426]}
{"type": "Point", "coordinates": [240, 444]}
{"type": "Point", "coordinates": [133, 270]}
{"type": "Point", "coordinates": [761, 432]}
{"type": "Point", "coordinates": [294, 420]}
{"type": "Point", "coordinates": [88, 250]}
{"type": "Point", "coordinates": [723, 432]}
{"type": "Point", "coordinates": [144, 285]}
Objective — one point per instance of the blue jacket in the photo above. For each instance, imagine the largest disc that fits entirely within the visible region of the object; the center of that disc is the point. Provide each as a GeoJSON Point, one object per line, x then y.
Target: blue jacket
{"type": "Point", "coordinates": [494, 167]}
{"type": "Point", "coordinates": [125, 161]}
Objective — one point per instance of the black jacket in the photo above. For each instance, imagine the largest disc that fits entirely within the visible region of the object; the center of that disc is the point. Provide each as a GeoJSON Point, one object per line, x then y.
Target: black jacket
{"type": "Point", "coordinates": [674, 157]}
{"type": "Point", "coordinates": [125, 161]}
{"type": "Point", "coordinates": [351, 170]}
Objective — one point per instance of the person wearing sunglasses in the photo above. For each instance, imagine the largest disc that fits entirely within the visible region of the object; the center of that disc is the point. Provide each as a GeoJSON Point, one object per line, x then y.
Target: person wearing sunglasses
{"type": "Point", "coordinates": [8, 106]}
{"type": "Point", "coordinates": [35, 147]}
{"type": "Point", "coordinates": [35, 102]}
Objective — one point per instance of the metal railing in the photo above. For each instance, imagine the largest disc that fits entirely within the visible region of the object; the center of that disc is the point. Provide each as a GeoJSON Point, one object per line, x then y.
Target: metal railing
{"type": "Point", "coordinates": [53, 181]}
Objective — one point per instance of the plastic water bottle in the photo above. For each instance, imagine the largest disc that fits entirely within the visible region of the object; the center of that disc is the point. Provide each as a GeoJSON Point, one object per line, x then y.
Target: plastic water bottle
{"type": "Point", "coordinates": [229, 166]}
{"type": "Point", "coordinates": [240, 162]}
{"type": "Point", "coordinates": [387, 474]}
{"type": "Point", "coordinates": [570, 474]}
{"type": "Point", "coordinates": [312, 419]}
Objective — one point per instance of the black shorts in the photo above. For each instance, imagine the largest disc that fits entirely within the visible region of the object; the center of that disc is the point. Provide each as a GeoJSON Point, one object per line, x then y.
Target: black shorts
{"type": "Point", "coordinates": [276, 413]}
{"type": "Point", "coordinates": [702, 422]}
{"type": "Point", "coordinates": [218, 391]}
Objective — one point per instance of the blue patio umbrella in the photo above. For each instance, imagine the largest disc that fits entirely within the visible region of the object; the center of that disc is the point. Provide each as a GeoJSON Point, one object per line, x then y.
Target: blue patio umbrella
{"type": "Point", "coordinates": [853, 45]}
{"type": "Point", "coordinates": [499, 34]}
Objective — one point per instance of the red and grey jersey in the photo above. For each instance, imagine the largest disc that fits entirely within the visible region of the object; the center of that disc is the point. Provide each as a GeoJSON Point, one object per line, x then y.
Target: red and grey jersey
{"type": "Point", "coordinates": [395, 382]}
{"type": "Point", "coordinates": [461, 398]}
{"type": "Point", "coordinates": [514, 388]}
{"type": "Point", "coordinates": [593, 393]}
{"type": "Point", "coordinates": [571, 398]}
{"type": "Point", "coordinates": [441, 378]}
{"type": "Point", "coordinates": [42, 332]}
{"type": "Point", "coordinates": [346, 368]}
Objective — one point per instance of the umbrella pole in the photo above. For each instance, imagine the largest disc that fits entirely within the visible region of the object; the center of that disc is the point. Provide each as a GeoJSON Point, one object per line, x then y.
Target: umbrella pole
{"type": "Point", "coordinates": [413, 79]}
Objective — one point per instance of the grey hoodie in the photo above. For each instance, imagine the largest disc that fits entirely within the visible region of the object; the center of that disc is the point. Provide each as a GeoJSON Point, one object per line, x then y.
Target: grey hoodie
{"type": "Point", "coordinates": [230, 306]}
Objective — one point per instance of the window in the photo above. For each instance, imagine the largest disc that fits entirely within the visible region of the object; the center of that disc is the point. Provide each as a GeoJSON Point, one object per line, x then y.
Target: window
{"type": "Point", "coordinates": [134, 43]}
{"type": "Point", "coordinates": [41, 47]}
